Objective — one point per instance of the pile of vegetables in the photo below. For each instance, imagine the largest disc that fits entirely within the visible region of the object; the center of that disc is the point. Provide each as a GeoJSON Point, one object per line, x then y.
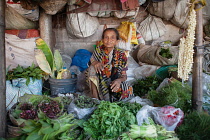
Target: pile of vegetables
{"type": "Point", "coordinates": [142, 86]}
{"type": "Point", "coordinates": [27, 73]}
{"type": "Point", "coordinates": [175, 94]}
{"type": "Point", "coordinates": [42, 117]}
{"type": "Point", "coordinates": [149, 131]}
{"type": "Point", "coordinates": [85, 102]}
{"type": "Point", "coordinates": [108, 121]}
{"type": "Point", "coordinates": [195, 127]}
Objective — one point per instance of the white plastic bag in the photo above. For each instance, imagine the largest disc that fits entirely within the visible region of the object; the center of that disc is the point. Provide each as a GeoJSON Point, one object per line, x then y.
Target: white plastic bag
{"type": "Point", "coordinates": [152, 28]}
{"type": "Point", "coordinates": [17, 87]}
{"type": "Point", "coordinates": [81, 25]}
{"type": "Point", "coordinates": [180, 18]}
{"type": "Point", "coordinates": [168, 116]}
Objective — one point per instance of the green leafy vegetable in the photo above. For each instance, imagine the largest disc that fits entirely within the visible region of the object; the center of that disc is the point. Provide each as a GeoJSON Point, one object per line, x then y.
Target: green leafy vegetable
{"type": "Point", "coordinates": [195, 127]}
{"type": "Point", "coordinates": [165, 52]}
{"type": "Point", "coordinates": [142, 86]}
{"type": "Point", "coordinates": [27, 73]}
{"type": "Point", "coordinates": [108, 121]}
{"type": "Point", "coordinates": [175, 94]}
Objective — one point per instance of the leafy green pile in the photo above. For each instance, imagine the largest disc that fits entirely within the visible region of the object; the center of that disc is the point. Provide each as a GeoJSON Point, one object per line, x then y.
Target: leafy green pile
{"type": "Point", "coordinates": [85, 102]}
{"type": "Point", "coordinates": [142, 86]}
{"type": "Point", "coordinates": [27, 73]}
{"type": "Point", "coordinates": [195, 127]}
{"type": "Point", "coordinates": [165, 52]}
{"type": "Point", "coordinates": [175, 94]}
{"type": "Point", "coordinates": [108, 121]}
{"type": "Point", "coordinates": [50, 129]}
{"type": "Point", "coordinates": [132, 107]}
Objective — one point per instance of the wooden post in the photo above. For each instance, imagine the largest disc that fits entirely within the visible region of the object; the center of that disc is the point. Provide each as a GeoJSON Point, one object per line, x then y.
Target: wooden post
{"type": "Point", "coordinates": [197, 79]}
{"type": "Point", "coordinates": [45, 25]}
{"type": "Point", "coordinates": [2, 71]}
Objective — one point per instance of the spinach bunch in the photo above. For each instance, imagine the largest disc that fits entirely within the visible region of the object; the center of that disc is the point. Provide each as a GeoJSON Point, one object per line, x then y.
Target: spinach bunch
{"type": "Point", "coordinates": [27, 73]}
{"type": "Point", "coordinates": [108, 121]}
{"type": "Point", "coordinates": [142, 86]}
{"type": "Point", "coordinates": [132, 107]}
{"type": "Point", "coordinates": [165, 53]}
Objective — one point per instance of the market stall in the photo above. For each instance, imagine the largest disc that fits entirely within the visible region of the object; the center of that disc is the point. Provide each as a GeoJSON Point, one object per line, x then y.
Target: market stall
{"type": "Point", "coordinates": [46, 63]}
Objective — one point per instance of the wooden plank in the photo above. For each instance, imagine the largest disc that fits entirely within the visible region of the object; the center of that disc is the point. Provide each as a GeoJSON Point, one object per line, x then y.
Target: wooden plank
{"type": "Point", "coordinates": [2, 71]}
{"type": "Point", "coordinates": [197, 86]}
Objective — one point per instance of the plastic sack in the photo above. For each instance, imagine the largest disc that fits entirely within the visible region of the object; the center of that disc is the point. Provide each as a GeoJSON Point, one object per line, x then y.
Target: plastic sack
{"type": "Point", "coordinates": [17, 87]}
{"type": "Point", "coordinates": [29, 14]}
{"type": "Point", "coordinates": [152, 28]}
{"type": "Point", "coordinates": [167, 116]}
{"type": "Point", "coordinates": [180, 18]}
{"type": "Point", "coordinates": [163, 9]}
{"type": "Point", "coordinates": [17, 50]}
{"type": "Point", "coordinates": [126, 14]}
{"type": "Point", "coordinates": [81, 59]}
{"type": "Point", "coordinates": [140, 101]}
{"type": "Point", "coordinates": [132, 65]}
{"type": "Point", "coordinates": [145, 71]}
{"type": "Point", "coordinates": [80, 113]}
{"type": "Point", "coordinates": [81, 25]}
{"type": "Point", "coordinates": [14, 20]}
{"type": "Point", "coordinates": [51, 7]}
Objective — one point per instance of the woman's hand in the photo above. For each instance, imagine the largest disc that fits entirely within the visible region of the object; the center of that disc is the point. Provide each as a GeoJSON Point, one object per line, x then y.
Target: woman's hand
{"type": "Point", "coordinates": [98, 66]}
{"type": "Point", "coordinates": [115, 85]}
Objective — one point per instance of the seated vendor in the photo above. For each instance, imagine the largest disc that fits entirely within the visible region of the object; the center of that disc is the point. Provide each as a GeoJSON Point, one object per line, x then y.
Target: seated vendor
{"type": "Point", "coordinates": [106, 75]}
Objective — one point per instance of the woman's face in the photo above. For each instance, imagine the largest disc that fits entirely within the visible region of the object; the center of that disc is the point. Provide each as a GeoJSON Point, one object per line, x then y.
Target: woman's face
{"type": "Point", "coordinates": [110, 39]}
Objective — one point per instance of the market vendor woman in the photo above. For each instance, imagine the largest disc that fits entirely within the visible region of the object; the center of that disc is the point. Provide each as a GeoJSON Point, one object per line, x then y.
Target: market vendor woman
{"type": "Point", "coordinates": [107, 72]}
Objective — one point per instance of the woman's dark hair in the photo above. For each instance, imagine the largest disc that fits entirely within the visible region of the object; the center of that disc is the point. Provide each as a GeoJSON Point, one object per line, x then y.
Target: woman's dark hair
{"type": "Point", "coordinates": [111, 29]}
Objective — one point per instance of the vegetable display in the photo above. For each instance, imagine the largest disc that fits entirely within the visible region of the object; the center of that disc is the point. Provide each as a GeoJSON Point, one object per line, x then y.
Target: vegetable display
{"type": "Point", "coordinates": [108, 121]}
{"type": "Point", "coordinates": [27, 73]}
{"type": "Point", "coordinates": [85, 102]}
{"type": "Point", "coordinates": [142, 86]}
{"type": "Point", "coordinates": [175, 94]}
{"type": "Point", "coordinates": [149, 131]}
{"type": "Point", "coordinates": [195, 127]}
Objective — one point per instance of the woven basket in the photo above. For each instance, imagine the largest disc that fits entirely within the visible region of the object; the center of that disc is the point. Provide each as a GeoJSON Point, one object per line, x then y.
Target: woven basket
{"type": "Point", "coordinates": [13, 131]}
{"type": "Point", "coordinates": [51, 7]}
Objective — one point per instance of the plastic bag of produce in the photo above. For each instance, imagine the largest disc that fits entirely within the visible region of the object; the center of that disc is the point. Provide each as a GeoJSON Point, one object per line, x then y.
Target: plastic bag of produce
{"type": "Point", "coordinates": [168, 116]}
{"type": "Point", "coordinates": [82, 107]}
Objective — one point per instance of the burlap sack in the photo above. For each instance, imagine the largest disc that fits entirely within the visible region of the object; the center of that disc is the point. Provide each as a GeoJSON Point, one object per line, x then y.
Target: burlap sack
{"type": "Point", "coordinates": [164, 9]}
{"type": "Point", "coordinates": [150, 55]}
{"type": "Point", "coordinates": [16, 21]}
{"type": "Point", "coordinates": [180, 18]}
{"type": "Point", "coordinates": [51, 7]}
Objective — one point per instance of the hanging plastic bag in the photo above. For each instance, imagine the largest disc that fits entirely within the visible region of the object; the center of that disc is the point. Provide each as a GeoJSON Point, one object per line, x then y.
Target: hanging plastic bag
{"type": "Point", "coordinates": [167, 116]}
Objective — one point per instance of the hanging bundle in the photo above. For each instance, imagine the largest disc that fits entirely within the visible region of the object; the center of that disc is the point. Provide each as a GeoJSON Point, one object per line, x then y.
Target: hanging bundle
{"type": "Point", "coordinates": [51, 7]}
{"type": "Point", "coordinates": [163, 9]}
{"type": "Point", "coordinates": [152, 28]}
{"type": "Point", "coordinates": [81, 25]}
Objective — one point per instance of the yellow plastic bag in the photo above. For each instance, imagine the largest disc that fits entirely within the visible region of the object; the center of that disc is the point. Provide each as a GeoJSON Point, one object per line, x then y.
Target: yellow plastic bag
{"type": "Point", "coordinates": [124, 30]}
